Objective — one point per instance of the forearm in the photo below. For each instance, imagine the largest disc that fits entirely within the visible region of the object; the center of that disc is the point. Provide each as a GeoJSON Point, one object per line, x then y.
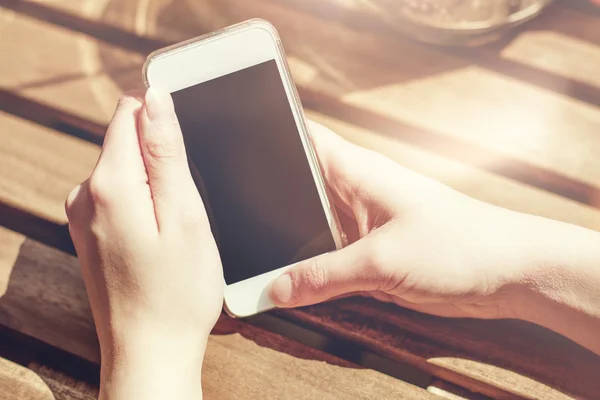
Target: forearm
{"type": "Point", "coordinates": [561, 288]}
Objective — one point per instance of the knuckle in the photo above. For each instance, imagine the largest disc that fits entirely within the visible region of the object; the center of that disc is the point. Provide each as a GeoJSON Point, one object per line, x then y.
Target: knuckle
{"type": "Point", "coordinates": [163, 138]}
{"type": "Point", "coordinates": [100, 189]}
{"type": "Point", "coordinates": [70, 203]}
{"type": "Point", "coordinates": [164, 147]}
{"type": "Point", "coordinates": [313, 275]}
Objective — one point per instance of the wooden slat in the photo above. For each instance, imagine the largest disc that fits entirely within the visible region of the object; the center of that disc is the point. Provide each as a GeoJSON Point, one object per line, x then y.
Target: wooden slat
{"type": "Point", "coordinates": [62, 68]}
{"type": "Point", "coordinates": [18, 382]}
{"type": "Point", "coordinates": [35, 302]}
{"type": "Point", "coordinates": [483, 185]}
{"type": "Point", "coordinates": [363, 17]}
{"type": "Point", "coordinates": [504, 125]}
{"type": "Point", "coordinates": [41, 167]}
{"type": "Point", "coordinates": [498, 114]}
{"type": "Point", "coordinates": [341, 72]}
{"type": "Point", "coordinates": [25, 375]}
{"type": "Point", "coordinates": [453, 392]}
{"type": "Point", "coordinates": [29, 165]}
{"type": "Point", "coordinates": [46, 300]}
{"type": "Point", "coordinates": [588, 194]}
{"type": "Point", "coordinates": [461, 151]}
{"type": "Point", "coordinates": [497, 358]}
{"type": "Point", "coordinates": [467, 179]}
{"type": "Point", "coordinates": [51, 117]}
{"type": "Point", "coordinates": [65, 387]}
{"type": "Point", "coordinates": [552, 45]}
{"type": "Point", "coordinates": [67, 376]}
{"type": "Point", "coordinates": [470, 180]}
{"type": "Point", "coordinates": [448, 95]}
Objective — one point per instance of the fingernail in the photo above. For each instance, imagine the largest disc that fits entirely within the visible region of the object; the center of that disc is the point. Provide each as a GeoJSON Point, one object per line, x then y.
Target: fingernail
{"type": "Point", "coordinates": [158, 104]}
{"type": "Point", "coordinates": [282, 290]}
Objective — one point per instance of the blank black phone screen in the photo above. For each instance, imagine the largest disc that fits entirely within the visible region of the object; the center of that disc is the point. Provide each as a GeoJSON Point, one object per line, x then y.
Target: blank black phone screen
{"type": "Point", "coordinates": [249, 164]}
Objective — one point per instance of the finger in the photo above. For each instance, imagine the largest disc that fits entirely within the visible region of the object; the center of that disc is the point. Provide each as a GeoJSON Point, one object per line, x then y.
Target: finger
{"type": "Point", "coordinates": [352, 269]}
{"type": "Point", "coordinates": [164, 155]}
{"type": "Point", "coordinates": [348, 168]}
{"type": "Point", "coordinates": [121, 150]}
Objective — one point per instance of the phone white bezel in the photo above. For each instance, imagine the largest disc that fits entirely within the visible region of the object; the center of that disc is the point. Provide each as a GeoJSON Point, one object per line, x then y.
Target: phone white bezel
{"type": "Point", "coordinates": [229, 50]}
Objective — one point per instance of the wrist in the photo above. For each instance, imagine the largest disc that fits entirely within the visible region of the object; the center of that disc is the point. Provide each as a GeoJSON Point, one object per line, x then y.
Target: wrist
{"type": "Point", "coordinates": [151, 365]}
{"type": "Point", "coordinates": [558, 285]}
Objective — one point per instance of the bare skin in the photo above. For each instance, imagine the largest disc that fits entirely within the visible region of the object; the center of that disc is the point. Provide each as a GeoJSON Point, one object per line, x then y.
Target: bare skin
{"type": "Point", "coordinates": [155, 282]}
{"type": "Point", "coordinates": [424, 246]}
{"type": "Point", "coordinates": [150, 264]}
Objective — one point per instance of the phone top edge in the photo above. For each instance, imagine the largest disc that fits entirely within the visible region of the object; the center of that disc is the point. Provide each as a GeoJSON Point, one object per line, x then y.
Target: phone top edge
{"type": "Point", "coordinates": [229, 30]}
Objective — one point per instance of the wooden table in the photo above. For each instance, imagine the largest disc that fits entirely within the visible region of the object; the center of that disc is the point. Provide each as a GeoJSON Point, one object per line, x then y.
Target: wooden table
{"type": "Point", "coordinates": [516, 123]}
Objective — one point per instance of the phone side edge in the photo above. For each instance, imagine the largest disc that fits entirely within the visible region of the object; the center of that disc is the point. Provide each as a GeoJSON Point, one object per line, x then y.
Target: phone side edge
{"type": "Point", "coordinates": [313, 160]}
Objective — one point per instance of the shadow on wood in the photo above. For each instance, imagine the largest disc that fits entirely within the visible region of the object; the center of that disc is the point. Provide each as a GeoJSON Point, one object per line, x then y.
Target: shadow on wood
{"type": "Point", "coordinates": [45, 311]}
{"type": "Point", "coordinates": [536, 356]}
{"type": "Point", "coordinates": [323, 49]}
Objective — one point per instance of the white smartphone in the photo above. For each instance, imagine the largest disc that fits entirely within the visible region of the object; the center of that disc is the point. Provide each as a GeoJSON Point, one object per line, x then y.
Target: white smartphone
{"type": "Point", "coordinates": [250, 154]}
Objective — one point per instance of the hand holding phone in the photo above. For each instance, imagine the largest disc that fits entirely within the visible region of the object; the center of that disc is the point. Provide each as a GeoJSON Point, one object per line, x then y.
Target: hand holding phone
{"type": "Point", "coordinates": [250, 154]}
{"type": "Point", "coordinates": [136, 224]}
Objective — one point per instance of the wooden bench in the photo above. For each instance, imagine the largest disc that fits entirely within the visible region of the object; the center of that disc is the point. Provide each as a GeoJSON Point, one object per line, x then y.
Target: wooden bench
{"type": "Point", "coordinates": [515, 124]}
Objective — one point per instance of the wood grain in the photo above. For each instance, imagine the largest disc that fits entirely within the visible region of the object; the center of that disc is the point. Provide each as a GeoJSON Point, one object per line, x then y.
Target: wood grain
{"type": "Point", "coordinates": [44, 372]}
{"type": "Point", "coordinates": [511, 358]}
{"type": "Point", "coordinates": [46, 300]}
{"type": "Point", "coordinates": [420, 87]}
{"type": "Point", "coordinates": [473, 372]}
{"type": "Point", "coordinates": [18, 382]}
{"type": "Point", "coordinates": [62, 386]}
{"type": "Point", "coordinates": [453, 392]}
{"type": "Point", "coordinates": [74, 159]}
{"type": "Point", "coordinates": [527, 133]}
{"type": "Point", "coordinates": [563, 18]}
{"type": "Point", "coordinates": [61, 68]}
{"type": "Point", "coordinates": [109, 95]}
{"type": "Point", "coordinates": [41, 166]}
{"type": "Point", "coordinates": [465, 178]}
{"type": "Point", "coordinates": [519, 109]}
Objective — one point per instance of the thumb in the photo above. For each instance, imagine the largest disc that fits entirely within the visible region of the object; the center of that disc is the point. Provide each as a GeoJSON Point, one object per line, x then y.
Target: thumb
{"type": "Point", "coordinates": [352, 269]}
{"type": "Point", "coordinates": [164, 155]}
